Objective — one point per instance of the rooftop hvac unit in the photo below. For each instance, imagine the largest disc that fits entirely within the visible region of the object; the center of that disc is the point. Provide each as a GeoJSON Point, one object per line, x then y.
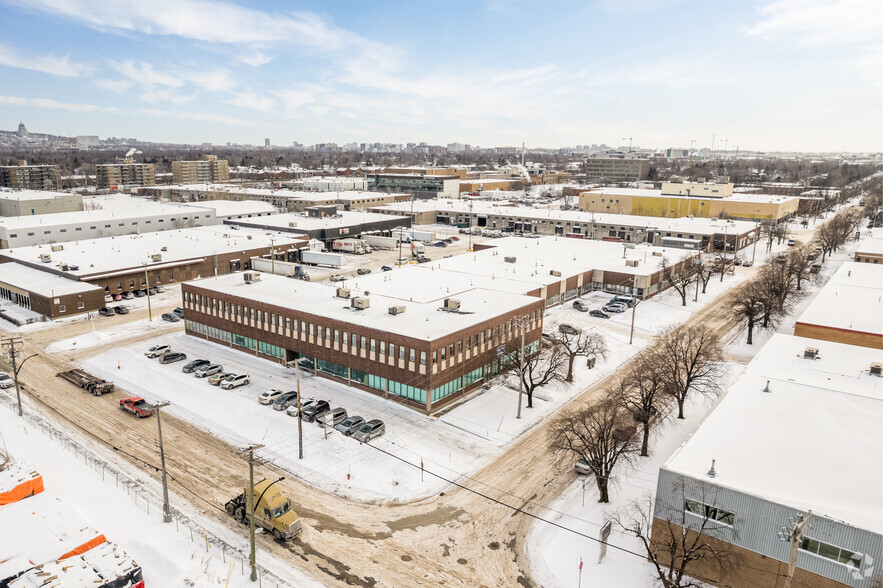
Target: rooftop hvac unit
{"type": "Point", "coordinates": [251, 277]}
{"type": "Point", "coordinates": [156, 257]}
{"type": "Point", "coordinates": [657, 253]}
{"type": "Point", "coordinates": [163, 248]}
{"type": "Point", "coordinates": [555, 273]}
{"type": "Point", "coordinates": [396, 310]}
{"type": "Point", "coordinates": [292, 224]}
{"type": "Point", "coordinates": [631, 262]}
{"type": "Point", "coordinates": [811, 353]}
{"type": "Point", "coordinates": [45, 257]}
{"type": "Point", "coordinates": [360, 303]}
{"type": "Point", "coordinates": [509, 259]}
{"type": "Point", "coordinates": [452, 304]}
{"type": "Point", "coordinates": [876, 369]}
{"type": "Point", "coordinates": [343, 292]}
{"type": "Point", "coordinates": [58, 248]}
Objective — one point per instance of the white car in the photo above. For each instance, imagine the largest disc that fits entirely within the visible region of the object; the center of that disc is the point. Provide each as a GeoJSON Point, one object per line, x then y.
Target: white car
{"type": "Point", "coordinates": [235, 381]}
{"type": "Point", "coordinates": [267, 397]}
{"type": "Point", "coordinates": [157, 350]}
{"type": "Point", "coordinates": [6, 381]}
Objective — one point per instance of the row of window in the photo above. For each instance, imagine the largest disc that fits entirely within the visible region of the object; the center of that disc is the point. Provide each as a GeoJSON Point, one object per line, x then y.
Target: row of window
{"type": "Point", "coordinates": [712, 513]}
{"type": "Point", "coordinates": [93, 227]}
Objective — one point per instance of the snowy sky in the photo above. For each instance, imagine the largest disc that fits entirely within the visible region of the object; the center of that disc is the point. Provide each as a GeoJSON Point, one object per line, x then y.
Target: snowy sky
{"type": "Point", "coordinates": [782, 74]}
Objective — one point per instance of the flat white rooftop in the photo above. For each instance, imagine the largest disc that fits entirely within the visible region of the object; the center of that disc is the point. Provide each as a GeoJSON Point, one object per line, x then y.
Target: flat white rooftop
{"type": "Point", "coordinates": [815, 441]}
{"type": "Point", "coordinates": [738, 197]}
{"type": "Point", "coordinates": [40, 282]}
{"type": "Point", "coordinates": [681, 224]}
{"type": "Point", "coordinates": [111, 254]}
{"type": "Point", "coordinates": [870, 246]}
{"type": "Point", "coordinates": [308, 196]}
{"type": "Point", "coordinates": [422, 319]}
{"type": "Point", "coordinates": [234, 208]}
{"type": "Point", "coordinates": [852, 300]}
{"type": "Point", "coordinates": [303, 222]}
{"type": "Point", "coordinates": [103, 208]}
{"type": "Point", "coordinates": [10, 194]}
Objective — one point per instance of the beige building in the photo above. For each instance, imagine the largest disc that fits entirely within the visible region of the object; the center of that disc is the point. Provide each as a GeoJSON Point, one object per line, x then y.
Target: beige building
{"type": "Point", "coordinates": [206, 171]}
{"type": "Point", "coordinates": [115, 176]}
{"type": "Point", "coordinates": [616, 168]}
{"type": "Point", "coordinates": [34, 202]}
{"type": "Point", "coordinates": [30, 177]}
{"type": "Point", "coordinates": [870, 251]}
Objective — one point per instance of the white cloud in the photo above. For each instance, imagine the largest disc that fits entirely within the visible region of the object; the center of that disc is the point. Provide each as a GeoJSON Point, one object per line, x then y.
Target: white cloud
{"type": "Point", "coordinates": [46, 103]}
{"type": "Point", "coordinates": [822, 21]}
{"type": "Point", "coordinates": [143, 73]}
{"type": "Point", "coordinates": [49, 64]}
{"type": "Point", "coordinates": [253, 100]}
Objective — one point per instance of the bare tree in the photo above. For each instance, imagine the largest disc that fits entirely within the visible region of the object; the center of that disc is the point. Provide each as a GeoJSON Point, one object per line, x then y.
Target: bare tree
{"type": "Point", "coordinates": [682, 552]}
{"type": "Point", "coordinates": [799, 263]}
{"type": "Point", "coordinates": [601, 435]}
{"type": "Point", "coordinates": [641, 392]}
{"type": "Point", "coordinates": [779, 287]}
{"type": "Point", "coordinates": [747, 306]}
{"type": "Point", "coordinates": [691, 359]}
{"type": "Point", "coordinates": [678, 276]}
{"type": "Point", "coordinates": [540, 369]}
{"type": "Point", "coordinates": [583, 344]}
{"type": "Point", "coordinates": [705, 269]}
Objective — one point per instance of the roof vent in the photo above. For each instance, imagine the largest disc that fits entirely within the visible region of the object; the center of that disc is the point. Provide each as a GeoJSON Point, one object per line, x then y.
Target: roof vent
{"type": "Point", "coordinates": [657, 253]}
{"type": "Point", "coordinates": [251, 277]}
{"type": "Point", "coordinates": [876, 369]}
{"type": "Point", "coordinates": [452, 304]}
{"type": "Point", "coordinates": [509, 259]}
{"type": "Point", "coordinates": [712, 473]}
{"type": "Point", "coordinates": [396, 310]}
{"type": "Point", "coordinates": [767, 387]}
{"type": "Point", "coordinates": [156, 257]}
{"type": "Point", "coordinates": [45, 257]}
{"type": "Point", "coordinates": [811, 353]}
{"type": "Point", "coordinates": [555, 273]}
{"type": "Point", "coordinates": [360, 303]}
{"type": "Point", "coordinates": [58, 248]}
{"type": "Point", "coordinates": [343, 292]}
{"type": "Point", "coordinates": [163, 248]}
{"type": "Point", "coordinates": [631, 262]}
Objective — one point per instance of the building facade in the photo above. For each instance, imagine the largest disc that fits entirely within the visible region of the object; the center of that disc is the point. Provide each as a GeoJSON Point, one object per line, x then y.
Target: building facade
{"type": "Point", "coordinates": [30, 177]}
{"type": "Point", "coordinates": [35, 202]}
{"type": "Point", "coordinates": [46, 294]}
{"type": "Point", "coordinates": [418, 185]}
{"type": "Point", "coordinates": [116, 176]}
{"type": "Point", "coordinates": [209, 170]}
{"type": "Point", "coordinates": [616, 169]}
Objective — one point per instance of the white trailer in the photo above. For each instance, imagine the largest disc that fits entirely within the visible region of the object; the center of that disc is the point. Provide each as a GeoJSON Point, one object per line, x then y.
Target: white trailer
{"type": "Point", "coordinates": [378, 242]}
{"type": "Point", "coordinates": [417, 249]}
{"type": "Point", "coordinates": [425, 236]}
{"type": "Point", "coordinates": [321, 258]}
{"type": "Point", "coordinates": [357, 246]}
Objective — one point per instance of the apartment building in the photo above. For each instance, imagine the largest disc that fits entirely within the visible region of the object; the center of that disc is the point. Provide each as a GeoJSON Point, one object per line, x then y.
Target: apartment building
{"type": "Point", "coordinates": [30, 177]}
{"type": "Point", "coordinates": [126, 174]}
{"type": "Point", "coordinates": [616, 168]}
{"type": "Point", "coordinates": [208, 170]}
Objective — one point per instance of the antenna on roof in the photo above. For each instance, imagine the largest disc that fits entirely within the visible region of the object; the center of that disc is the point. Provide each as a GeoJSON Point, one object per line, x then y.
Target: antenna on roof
{"type": "Point", "coordinates": [712, 473]}
{"type": "Point", "coordinates": [767, 387]}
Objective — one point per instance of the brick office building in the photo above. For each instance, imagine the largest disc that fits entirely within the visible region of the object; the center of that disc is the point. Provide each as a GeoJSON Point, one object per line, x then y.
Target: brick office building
{"type": "Point", "coordinates": [423, 352]}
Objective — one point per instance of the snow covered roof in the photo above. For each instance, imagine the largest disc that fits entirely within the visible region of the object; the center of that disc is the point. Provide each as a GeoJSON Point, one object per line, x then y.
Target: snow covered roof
{"type": "Point", "coordinates": [109, 254]}
{"type": "Point", "coordinates": [231, 208]}
{"type": "Point", "coordinates": [870, 246]}
{"type": "Point", "coordinates": [422, 319]}
{"type": "Point", "coordinates": [343, 218]}
{"type": "Point", "coordinates": [815, 441]}
{"type": "Point", "coordinates": [682, 224]}
{"type": "Point", "coordinates": [741, 197]}
{"type": "Point", "coordinates": [10, 194]}
{"type": "Point", "coordinates": [852, 300]}
{"type": "Point", "coordinates": [40, 282]}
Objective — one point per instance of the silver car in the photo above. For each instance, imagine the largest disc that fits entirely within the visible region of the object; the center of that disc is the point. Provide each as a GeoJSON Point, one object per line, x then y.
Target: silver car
{"type": "Point", "coordinates": [349, 425]}
{"type": "Point", "coordinates": [285, 400]}
{"type": "Point", "coordinates": [6, 381]}
{"type": "Point", "coordinates": [370, 430]}
{"type": "Point", "coordinates": [332, 417]}
{"type": "Point", "coordinates": [205, 371]}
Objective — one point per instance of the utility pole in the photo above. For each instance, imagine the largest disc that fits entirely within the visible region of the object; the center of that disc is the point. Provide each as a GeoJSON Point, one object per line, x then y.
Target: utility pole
{"type": "Point", "coordinates": [469, 249]}
{"type": "Point", "coordinates": [520, 321]}
{"type": "Point", "coordinates": [166, 511]}
{"type": "Point", "coordinates": [251, 506]}
{"type": "Point", "coordinates": [756, 237]}
{"type": "Point", "coordinates": [793, 532]}
{"type": "Point", "coordinates": [9, 344]}
{"type": "Point", "coordinates": [147, 281]}
{"type": "Point", "coordinates": [724, 259]}
{"type": "Point", "coordinates": [632, 330]}
{"type": "Point", "coordinates": [272, 257]}
{"type": "Point", "coordinates": [300, 418]}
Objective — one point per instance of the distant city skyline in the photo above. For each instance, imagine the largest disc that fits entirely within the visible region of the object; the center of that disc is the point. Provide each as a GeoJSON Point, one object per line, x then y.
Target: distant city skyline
{"type": "Point", "coordinates": [783, 75]}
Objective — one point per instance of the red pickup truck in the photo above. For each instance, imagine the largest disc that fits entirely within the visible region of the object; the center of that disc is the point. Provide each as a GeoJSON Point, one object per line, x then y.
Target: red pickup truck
{"type": "Point", "coordinates": [137, 406]}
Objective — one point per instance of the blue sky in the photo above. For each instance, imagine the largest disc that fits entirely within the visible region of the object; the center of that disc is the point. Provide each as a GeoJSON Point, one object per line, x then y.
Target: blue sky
{"type": "Point", "coordinates": [769, 74]}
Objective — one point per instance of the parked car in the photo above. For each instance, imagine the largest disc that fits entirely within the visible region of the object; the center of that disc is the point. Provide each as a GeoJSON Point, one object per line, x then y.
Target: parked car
{"type": "Point", "coordinates": [568, 329]}
{"type": "Point", "coordinates": [127, 296]}
{"type": "Point", "coordinates": [454, 238]}
{"type": "Point", "coordinates": [6, 381]}
{"type": "Point", "coordinates": [216, 379]}
{"type": "Point", "coordinates": [599, 314]}
{"type": "Point", "coordinates": [157, 350]}
{"type": "Point", "coordinates": [152, 291]}
{"type": "Point", "coordinates": [386, 268]}
{"type": "Point", "coordinates": [747, 263]}
{"type": "Point", "coordinates": [792, 242]}
{"type": "Point", "coordinates": [235, 381]}
{"type": "Point", "coordinates": [315, 410]}
{"type": "Point", "coordinates": [292, 410]}
{"type": "Point", "coordinates": [172, 357]}
{"type": "Point", "coordinates": [106, 311]}
{"type": "Point", "coordinates": [171, 317]}
{"type": "Point", "coordinates": [337, 278]}
{"type": "Point", "coordinates": [270, 396]}
{"type": "Point", "coordinates": [582, 467]}
{"type": "Point", "coordinates": [333, 417]}
{"type": "Point", "coordinates": [370, 430]}
{"type": "Point", "coordinates": [178, 312]}
{"type": "Point", "coordinates": [440, 244]}
{"type": "Point", "coordinates": [737, 261]}
{"type": "Point", "coordinates": [423, 259]}
{"type": "Point", "coordinates": [117, 297]}
{"type": "Point", "coordinates": [614, 307]}
{"type": "Point", "coordinates": [402, 261]}
{"type": "Point", "coordinates": [581, 306]}
{"type": "Point", "coordinates": [363, 271]}
{"type": "Point", "coordinates": [349, 425]}
{"type": "Point", "coordinates": [283, 401]}
{"type": "Point", "coordinates": [627, 300]}
{"type": "Point", "coordinates": [160, 289]}
{"type": "Point", "coordinates": [121, 309]}
{"type": "Point", "coordinates": [205, 371]}
{"type": "Point", "coordinates": [140, 293]}
{"type": "Point", "coordinates": [108, 298]}
{"type": "Point", "coordinates": [196, 363]}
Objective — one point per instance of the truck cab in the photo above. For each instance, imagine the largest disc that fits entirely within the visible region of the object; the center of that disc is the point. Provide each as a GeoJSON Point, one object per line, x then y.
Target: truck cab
{"type": "Point", "coordinates": [272, 510]}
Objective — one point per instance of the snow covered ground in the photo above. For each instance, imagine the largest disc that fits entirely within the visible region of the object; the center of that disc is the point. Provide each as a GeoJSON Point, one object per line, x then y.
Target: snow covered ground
{"type": "Point", "coordinates": [169, 553]}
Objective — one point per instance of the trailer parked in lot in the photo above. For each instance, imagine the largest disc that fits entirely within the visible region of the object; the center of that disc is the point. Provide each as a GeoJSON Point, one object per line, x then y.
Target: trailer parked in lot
{"type": "Point", "coordinates": [357, 246]}
{"type": "Point", "coordinates": [321, 258]}
{"type": "Point", "coordinates": [378, 242]}
{"type": "Point", "coordinates": [87, 381]}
